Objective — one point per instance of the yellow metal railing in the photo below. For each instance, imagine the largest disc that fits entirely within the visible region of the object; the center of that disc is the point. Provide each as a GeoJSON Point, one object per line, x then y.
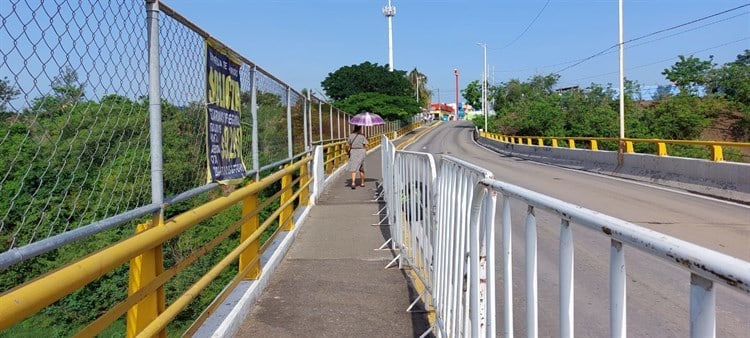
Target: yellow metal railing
{"type": "Point", "coordinates": [148, 316]}
{"type": "Point", "coordinates": [145, 306]}
{"type": "Point", "coordinates": [716, 147]}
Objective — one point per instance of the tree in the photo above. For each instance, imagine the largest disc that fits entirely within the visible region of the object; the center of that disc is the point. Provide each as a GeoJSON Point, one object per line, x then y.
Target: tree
{"type": "Point", "coordinates": [733, 79]}
{"type": "Point", "coordinates": [366, 78]}
{"type": "Point", "coordinates": [473, 94]}
{"type": "Point", "coordinates": [689, 74]}
{"type": "Point", "coordinates": [7, 93]}
{"type": "Point", "coordinates": [513, 91]}
{"type": "Point", "coordinates": [67, 87]}
{"type": "Point", "coordinates": [662, 92]}
{"type": "Point", "coordinates": [419, 82]}
{"type": "Point", "coordinates": [544, 83]}
{"type": "Point", "coordinates": [387, 106]}
{"type": "Point", "coordinates": [633, 90]}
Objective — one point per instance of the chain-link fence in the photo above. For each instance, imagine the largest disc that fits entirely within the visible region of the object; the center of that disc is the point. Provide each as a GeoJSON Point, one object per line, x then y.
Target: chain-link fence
{"type": "Point", "coordinates": [74, 122]}
{"type": "Point", "coordinates": [74, 110]}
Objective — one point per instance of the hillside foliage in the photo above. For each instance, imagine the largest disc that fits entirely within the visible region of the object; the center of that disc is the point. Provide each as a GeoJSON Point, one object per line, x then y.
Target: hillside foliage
{"type": "Point", "coordinates": [711, 103]}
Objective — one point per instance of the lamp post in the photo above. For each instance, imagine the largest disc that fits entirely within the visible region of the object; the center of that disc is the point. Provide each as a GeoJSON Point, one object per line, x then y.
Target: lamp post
{"type": "Point", "coordinates": [484, 85]}
{"type": "Point", "coordinates": [622, 85]}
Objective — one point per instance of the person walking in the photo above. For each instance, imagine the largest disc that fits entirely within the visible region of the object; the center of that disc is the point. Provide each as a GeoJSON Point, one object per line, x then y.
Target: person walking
{"type": "Point", "coordinates": [356, 147]}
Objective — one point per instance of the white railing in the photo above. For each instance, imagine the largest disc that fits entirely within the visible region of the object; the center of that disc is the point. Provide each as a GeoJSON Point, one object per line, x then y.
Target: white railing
{"type": "Point", "coordinates": [414, 176]}
{"type": "Point", "coordinates": [706, 266]}
{"type": "Point", "coordinates": [387, 155]}
{"type": "Point", "coordinates": [464, 288]}
{"type": "Point", "coordinates": [447, 252]}
{"type": "Point", "coordinates": [444, 232]}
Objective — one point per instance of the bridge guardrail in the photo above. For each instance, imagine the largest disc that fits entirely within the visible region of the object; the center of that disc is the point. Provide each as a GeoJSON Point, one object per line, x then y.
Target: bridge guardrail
{"type": "Point", "coordinates": [716, 147]}
{"type": "Point", "coordinates": [464, 288]}
{"type": "Point", "coordinates": [83, 138]}
{"type": "Point", "coordinates": [706, 267]}
{"type": "Point", "coordinates": [723, 179]}
{"type": "Point", "coordinates": [31, 297]}
{"type": "Point", "coordinates": [436, 232]}
{"type": "Point", "coordinates": [462, 293]}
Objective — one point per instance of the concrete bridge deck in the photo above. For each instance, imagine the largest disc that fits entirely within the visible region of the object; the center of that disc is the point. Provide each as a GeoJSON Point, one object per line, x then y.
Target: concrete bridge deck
{"type": "Point", "coordinates": [332, 282]}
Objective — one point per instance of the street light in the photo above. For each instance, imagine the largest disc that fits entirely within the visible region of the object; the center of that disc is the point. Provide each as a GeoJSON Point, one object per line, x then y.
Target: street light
{"type": "Point", "coordinates": [484, 85]}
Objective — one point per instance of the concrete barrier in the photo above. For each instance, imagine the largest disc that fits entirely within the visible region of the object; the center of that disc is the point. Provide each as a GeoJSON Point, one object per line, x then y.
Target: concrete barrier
{"type": "Point", "coordinates": [725, 180]}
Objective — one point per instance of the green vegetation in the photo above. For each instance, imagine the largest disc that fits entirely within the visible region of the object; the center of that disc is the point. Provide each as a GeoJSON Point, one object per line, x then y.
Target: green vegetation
{"type": "Point", "coordinates": [69, 161]}
{"type": "Point", "coordinates": [373, 88]}
{"type": "Point", "coordinates": [721, 112]}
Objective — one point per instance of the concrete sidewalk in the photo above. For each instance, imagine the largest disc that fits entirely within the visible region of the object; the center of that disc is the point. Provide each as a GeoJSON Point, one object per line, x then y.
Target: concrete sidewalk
{"type": "Point", "coordinates": [332, 282]}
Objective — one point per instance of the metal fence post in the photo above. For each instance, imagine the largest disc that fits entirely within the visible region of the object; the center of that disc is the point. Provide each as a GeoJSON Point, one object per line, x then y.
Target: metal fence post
{"type": "Point", "coordinates": [330, 114]}
{"type": "Point", "coordinates": [320, 121]}
{"type": "Point", "coordinates": [147, 266]}
{"type": "Point", "coordinates": [254, 113]}
{"type": "Point", "coordinates": [305, 121]}
{"type": "Point", "coordinates": [289, 139]}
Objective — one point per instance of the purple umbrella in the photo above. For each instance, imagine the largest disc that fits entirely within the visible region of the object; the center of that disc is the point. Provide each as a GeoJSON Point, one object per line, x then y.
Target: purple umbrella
{"type": "Point", "coordinates": [366, 119]}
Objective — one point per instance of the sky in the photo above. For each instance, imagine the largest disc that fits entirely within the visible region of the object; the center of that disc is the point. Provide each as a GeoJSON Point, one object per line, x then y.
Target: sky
{"type": "Point", "coordinates": [302, 41]}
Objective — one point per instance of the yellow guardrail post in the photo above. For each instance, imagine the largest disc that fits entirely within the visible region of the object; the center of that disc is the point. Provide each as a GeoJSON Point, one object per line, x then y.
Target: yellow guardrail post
{"type": "Point", "coordinates": [594, 145]}
{"type": "Point", "coordinates": [717, 154]}
{"type": "Point", "coordinates": [249, 226]}
{"type": "Point", "coordinates": [571, 143]}
{"type": "Point", "coordinates": [528, 141]}
{"type": "Point", "coordinates": [554, 143]}
{"type": "Point", "coordinates": [143, 269]}
{"type": "Point", "coordinates": [661, 149]}
{"type": "Point", "coordinates": [329, 156]}
{"type": "Point", "coordinates": [629, 147]}
{"type": "Point", "coordinates": [286, 222]}
{"type": "Point", "coordinates": [540, 142]}
{"type": "Point", "coordinates": [304, 195]}
{"type": "Point", "coordinates": [336, 155]}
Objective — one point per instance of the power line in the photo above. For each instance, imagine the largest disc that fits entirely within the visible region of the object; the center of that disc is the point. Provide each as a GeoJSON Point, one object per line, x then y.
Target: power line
{"type": "Point", "coordinates": [636, 45]}
{"type": "Point", "coordinates": [687, 23]}
{"type": "Point", "coordinates": [650, 34]}
{"type": "Point", "coordinates": [527, 27]}
{"type": "Point", "coordinates": [664, 60]}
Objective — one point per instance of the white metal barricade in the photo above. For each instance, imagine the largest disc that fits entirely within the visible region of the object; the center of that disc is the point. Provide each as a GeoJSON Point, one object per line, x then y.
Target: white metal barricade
{"type": "Point", "coordinates": [443, 228]}
{"type": "Point", "coordinates": [464, 273]}
{"type": "Point", "coordinates": [414, 175]}
{"type": "Point", "coordinates": [387, 154]}
{"type": "Point", "coordinates": [706, 266]}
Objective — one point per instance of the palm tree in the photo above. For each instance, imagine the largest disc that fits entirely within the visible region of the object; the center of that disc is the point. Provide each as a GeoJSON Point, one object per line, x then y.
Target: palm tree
{"type": "Point", "coordinates": [419, 83]}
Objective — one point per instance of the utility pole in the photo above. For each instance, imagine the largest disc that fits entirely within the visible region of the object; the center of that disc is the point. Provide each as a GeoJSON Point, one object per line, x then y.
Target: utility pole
{"type": "Point", "coordinates": [484, 85]}
{"type": "Point", "coordinates": [455, 72]}
{"type": "Point", "coordinates": [417, 75]}
{"type": "Point", "coordinates": [622, 79]}
{"type": "Point", "coordinates": [389, 12]}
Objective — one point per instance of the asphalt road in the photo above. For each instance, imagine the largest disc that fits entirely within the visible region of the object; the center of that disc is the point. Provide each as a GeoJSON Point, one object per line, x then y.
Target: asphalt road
{"type": "Point", "coordinates": [658, 292]}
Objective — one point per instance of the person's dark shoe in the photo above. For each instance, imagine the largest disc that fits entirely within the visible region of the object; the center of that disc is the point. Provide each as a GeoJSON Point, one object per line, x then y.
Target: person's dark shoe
{"type": "Point", "coordinates": [353, 187]}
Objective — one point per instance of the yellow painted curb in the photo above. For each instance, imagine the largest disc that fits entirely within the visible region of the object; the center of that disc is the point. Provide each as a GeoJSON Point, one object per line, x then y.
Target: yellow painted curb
{"type": "Point", "coordinates": [416, 136]}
